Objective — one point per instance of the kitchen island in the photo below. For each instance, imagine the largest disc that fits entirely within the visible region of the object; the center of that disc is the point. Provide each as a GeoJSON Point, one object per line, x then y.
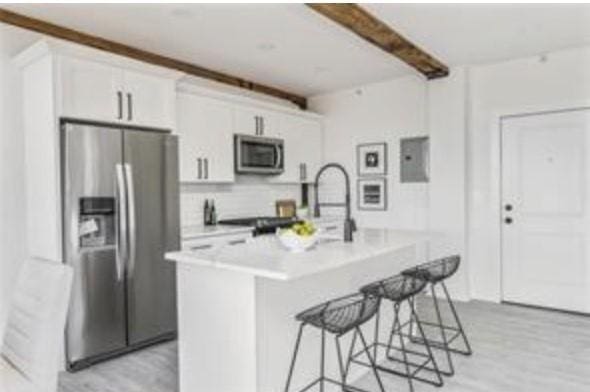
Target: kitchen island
{"type": "Point", "coordinates": [236, 305]}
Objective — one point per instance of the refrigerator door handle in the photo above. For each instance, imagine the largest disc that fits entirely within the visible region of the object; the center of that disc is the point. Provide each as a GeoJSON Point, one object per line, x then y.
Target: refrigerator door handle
{"type": "Point", "coordinates": [121, 237]}
{"type": "Point", "coordinates": [131, 216]}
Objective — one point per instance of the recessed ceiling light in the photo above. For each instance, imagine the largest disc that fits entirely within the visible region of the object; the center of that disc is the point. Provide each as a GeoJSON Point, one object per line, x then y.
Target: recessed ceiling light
{"type": "Point", "coordinates": [266, 46]}
{"type": "Point", "coordinates": [183, 12]}
{"type": "Point", "coordinates": [320, 69]}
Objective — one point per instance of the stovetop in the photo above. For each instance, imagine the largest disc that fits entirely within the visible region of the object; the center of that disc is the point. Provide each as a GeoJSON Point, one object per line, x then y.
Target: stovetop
{"type": "Point", "coordinates": [261, 224]}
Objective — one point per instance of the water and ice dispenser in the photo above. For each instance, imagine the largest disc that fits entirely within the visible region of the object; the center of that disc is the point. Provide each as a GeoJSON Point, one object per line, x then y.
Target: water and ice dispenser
{"type": "Point", "coordinates": [96, 223]}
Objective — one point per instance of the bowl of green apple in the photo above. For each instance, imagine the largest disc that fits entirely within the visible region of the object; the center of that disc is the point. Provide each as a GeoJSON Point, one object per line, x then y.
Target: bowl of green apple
{"type": "Point", "coordinates": [299, 237]}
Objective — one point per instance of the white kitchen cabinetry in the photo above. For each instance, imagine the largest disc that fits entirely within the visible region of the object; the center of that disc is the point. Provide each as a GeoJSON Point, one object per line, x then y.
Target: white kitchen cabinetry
{"type": "Point", "coordinates": [303, 148]}
{"type": "Point", "coordinates": [258, 122]}
{"type": "Point", "coordinates": [91, 91]}
{"type": "Point", "coordinates": [205, 131]}
{"type": "Point", "coordinates": [149, 100]}
{"type": "Point", "coordinates": [95, 91]}
{"type": "Point", "coordinates": [63, 80]}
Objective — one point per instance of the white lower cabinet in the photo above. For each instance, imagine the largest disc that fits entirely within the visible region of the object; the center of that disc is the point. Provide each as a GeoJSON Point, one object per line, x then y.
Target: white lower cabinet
{"type": "Point", "coordinates": [205, 131]}
{"type": "Point", "coordinates": [214, 242]}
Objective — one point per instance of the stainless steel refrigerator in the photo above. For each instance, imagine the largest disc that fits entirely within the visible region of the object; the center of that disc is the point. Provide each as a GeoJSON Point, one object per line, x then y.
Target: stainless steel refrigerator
{"type": "Point", "coordinates": [120, 215]}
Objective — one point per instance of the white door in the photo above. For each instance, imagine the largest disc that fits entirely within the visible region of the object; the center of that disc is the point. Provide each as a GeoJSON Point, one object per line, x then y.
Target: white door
{"type": "Point", "coordinates": [149, 100]}
{"type": "Point", "coordinates": [545, 192]}
{"type": "Point", "coordinates": [91, 91]}
{"type": "Point", "coordinates": [205, 131]}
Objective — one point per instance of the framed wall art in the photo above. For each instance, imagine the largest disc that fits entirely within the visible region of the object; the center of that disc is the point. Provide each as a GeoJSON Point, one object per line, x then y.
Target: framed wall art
{"type": "Point", "coordinates": [372, 194]}
{"type": "Point", "coordinates": [371, 159]}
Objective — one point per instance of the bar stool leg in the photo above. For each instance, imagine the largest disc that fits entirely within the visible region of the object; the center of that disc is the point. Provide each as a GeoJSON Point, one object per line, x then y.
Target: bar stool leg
{"type": "Point", "coordinates": [403, 347]}
{"type": "Point", "coordinates": [371, 359]}
{"type": "Point", "coordinates": [294, 358]}
{"type": "Point", "coordinates": [412, 310]}
{"type": "Point", "coordinates": [443, 333]}
{"type": "Point", "coordinates": [414, 315]}
{"type": "Point", "coordinates": [376, 338]}
{"type": "Point", "coordinates": [459, 325]}
{"type": "Point", "coordinates": [323, 361]}
{"type": "Point", "coordinates": [343, 372]}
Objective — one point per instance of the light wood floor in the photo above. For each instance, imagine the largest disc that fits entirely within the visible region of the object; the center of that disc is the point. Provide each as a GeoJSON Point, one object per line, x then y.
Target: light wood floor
{"type": "Point", "coordinates": [517, 349]}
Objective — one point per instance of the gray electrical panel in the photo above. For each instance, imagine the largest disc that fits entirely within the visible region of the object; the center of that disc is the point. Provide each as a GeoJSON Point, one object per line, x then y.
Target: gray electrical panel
{"type": "Point", "coordinates": [414, 154]}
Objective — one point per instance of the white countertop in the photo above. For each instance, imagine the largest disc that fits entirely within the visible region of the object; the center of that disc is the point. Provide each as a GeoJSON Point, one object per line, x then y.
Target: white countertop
{"type": "Point", "coordinates": [192, 232]}
{"type": "Point", "coordinates": [264, 256]}
{"type": "Point", "coordinates": [195, 232]}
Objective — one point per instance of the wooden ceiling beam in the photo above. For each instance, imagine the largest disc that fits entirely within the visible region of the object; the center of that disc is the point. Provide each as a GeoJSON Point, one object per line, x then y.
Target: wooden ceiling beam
{"type": "Point", "coordinates": [368, 27]}
{"type": "Point", "coordinates": [96, 42]}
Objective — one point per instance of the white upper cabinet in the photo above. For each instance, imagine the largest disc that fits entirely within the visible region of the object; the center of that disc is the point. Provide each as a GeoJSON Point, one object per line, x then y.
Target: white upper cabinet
{"type": "Point", "coordinates": [303, 148]}
{"type": "Point", "coordinates": [255, 121]}
{"type": "Point", "coordinates": [96, 91]}
{"type": "Point", "coordinates": [91, 90]}
{"type": "Point", "coordinates": [149, 100]}
{"type": "Point", "coordinates": [205, 131]}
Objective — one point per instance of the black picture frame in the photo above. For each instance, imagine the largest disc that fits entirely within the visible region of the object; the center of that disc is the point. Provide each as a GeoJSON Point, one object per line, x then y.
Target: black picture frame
{"type": "Point", "coordinates": [368, 154]}
{"type": "Point", "coordinates": [371, 194]}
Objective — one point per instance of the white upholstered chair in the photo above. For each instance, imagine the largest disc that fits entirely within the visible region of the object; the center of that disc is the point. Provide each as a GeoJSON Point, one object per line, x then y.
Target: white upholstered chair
{"type": "Point", "coordinates": [33, 339]}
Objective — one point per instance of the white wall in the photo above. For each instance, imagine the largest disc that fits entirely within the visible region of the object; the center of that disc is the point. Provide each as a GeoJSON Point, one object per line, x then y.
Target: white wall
{"type": "Point", "coordinates": [379, 112]}
{"type": "Point", "coordinates": [512, 87]}
{"type": "Point", "coordinates": [12, 206]}
{"type": "Point", "coordinates": [447, 110]}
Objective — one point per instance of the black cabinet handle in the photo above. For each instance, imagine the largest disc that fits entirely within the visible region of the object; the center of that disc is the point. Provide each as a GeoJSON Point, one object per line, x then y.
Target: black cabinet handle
{"type": "Point", "coordinates": [508, 220]}
{"type": "Point", "coordinates": [206, 168]}
{"type": "Point", "coordinates": [508, 207]}
{"type": "Point", "coordinates": [129, 107]}
{"type": "Point", "coordinates": [120, 105]}
{"type": "Point", "coordinates": [199, 168]}
{"type": "Point", "coordinates": [261, 125]}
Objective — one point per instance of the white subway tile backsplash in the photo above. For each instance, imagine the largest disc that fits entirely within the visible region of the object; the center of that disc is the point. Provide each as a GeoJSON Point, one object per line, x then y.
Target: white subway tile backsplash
{"type": "Point", "coordinates": [234, 200]}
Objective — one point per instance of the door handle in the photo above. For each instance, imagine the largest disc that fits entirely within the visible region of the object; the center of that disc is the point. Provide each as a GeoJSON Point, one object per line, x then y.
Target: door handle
{"type": "Point", "coordinates": [131, 216]}
{"type": "Point", "coordinates": [508, 220]}
{"type": "Point", "coordinates": [121, 235]}
{"type": "Point", "coordinates": [199, 168]}
{"type": "Point", "coordinates": [129, 107]}
{"type": "Point", "coordinates": [279, 157]}
{"type": "Point", "coordinates": [120, 105]}
{"type": "Point", "coordinates": [206, 160]}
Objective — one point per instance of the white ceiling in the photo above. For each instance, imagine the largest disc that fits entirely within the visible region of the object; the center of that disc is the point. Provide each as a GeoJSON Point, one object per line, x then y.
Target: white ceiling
{"type": "Point", "coordinates": [291, 47]}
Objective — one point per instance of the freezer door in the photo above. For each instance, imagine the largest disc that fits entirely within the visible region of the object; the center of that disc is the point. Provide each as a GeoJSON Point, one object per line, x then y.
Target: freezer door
{"type": "Point", "coordinates": [96, 322]}
{"type": "Point", "coordinates": [151, 165]}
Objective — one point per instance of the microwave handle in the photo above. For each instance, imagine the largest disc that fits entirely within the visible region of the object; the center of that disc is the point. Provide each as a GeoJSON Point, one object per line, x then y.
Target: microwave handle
{"type": "Point", "coordinates": [279, 151]}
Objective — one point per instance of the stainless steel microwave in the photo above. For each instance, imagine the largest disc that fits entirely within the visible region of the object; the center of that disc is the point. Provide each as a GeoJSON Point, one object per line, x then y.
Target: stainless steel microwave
{"type": "Point", "coordinates": [258, 155]}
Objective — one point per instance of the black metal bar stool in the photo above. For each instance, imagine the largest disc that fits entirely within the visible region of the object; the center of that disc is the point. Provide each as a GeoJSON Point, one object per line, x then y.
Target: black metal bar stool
{"type": "Point", "coordinates": [338, 317]}
{"type": "Point", "coordinates": [398, 290]}
{"type": "Point", "coordinates": [436, 272]}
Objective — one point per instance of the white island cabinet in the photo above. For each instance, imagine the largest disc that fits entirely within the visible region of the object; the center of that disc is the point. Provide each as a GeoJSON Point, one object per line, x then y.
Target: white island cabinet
{"type": "Point", "coordinates": [236, 305]}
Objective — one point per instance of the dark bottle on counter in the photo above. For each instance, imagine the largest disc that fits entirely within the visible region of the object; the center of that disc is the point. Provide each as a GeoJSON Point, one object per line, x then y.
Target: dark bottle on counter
{"type": "Point", "coordinates": [212, 214]}
{"type": "Point", "coordinates": [206, 213]}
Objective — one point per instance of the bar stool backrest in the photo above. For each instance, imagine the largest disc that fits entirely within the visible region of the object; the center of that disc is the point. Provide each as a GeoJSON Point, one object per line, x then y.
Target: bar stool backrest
{"type": "Point", "coordinates": [396, 288]}
{"type": "Point", "coordinates": [341, 314]}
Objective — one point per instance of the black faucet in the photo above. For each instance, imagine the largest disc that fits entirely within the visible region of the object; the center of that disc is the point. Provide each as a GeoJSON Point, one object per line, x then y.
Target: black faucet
{"type": "Point", "coordinates": [349, 224]}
